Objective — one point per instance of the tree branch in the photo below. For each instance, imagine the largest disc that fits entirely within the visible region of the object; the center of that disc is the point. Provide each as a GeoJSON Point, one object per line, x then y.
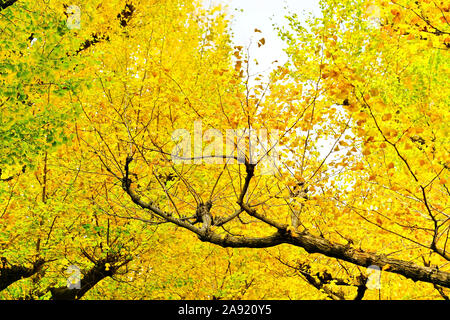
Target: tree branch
{"type": "Point", "coordinates": [102, 268]}
{"type": "Point", "coordinates": [305, 240]}
{"type": "Point", "coordinates": [6, 4]}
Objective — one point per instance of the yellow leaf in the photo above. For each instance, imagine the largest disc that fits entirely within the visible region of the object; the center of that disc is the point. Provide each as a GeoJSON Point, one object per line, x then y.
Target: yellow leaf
{"type": "Point", "coordinates": [291, 230]}
{"type": "Point", "coordinates": [386, 267]}
{"type": "Point", "coordinates": [261, 42]}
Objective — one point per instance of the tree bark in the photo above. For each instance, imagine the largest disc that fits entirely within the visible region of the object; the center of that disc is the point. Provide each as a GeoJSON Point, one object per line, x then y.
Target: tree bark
{"type": "Point", "coordinates": [94, 276]}
{"type": "Point", "coordinates": [6, 4]}
{"type": "Point", "coordinates": [305, 240]}
{"type": "Point", "coordinates": [315, 244]}
{"type": "Point", "coordinates": [102, 268]}
{"type": "Point", "coordinates": [9, 275]}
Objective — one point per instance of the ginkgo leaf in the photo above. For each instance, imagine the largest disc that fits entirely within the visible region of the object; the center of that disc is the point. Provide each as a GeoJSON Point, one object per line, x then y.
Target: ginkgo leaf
{"type": "Point", "coordinates": [261, 42]}
{"type": "Point", "coordinates": [145, 144]}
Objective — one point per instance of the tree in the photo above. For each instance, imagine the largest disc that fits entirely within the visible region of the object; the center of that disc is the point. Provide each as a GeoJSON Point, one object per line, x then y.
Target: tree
{"type": "Point", "coordinates": [378, 196]}
{"type": "Point", "coordinates": [62, 212]}
{"type": "Point", "coordinates": [42, 222]}
{"type": "Point", "coordinates": [181, 178]}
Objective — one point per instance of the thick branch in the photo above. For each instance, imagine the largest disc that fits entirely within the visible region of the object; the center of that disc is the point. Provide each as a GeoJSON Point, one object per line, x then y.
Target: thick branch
{"type": "Point", "coordinates": [124, 18]}
{"type": "Point", "coordinates": [103, 268]}
{"type": "Point", "coordinates": [305, 240]}
{"type": "Point", "coordinates": [6, 4]}
{"type": "Point", "coordinates": [315, 244]}
{"type": "Point", "coordinates": [126, 185]}
{"type": "Point", "coordinates": [13, 273]}
{"type": "Point", "coordinates": [12, 177]}
{"type": "Point", "coordinates": [96, 38]}
{"type": "Point", "coordinates": [126, 14]}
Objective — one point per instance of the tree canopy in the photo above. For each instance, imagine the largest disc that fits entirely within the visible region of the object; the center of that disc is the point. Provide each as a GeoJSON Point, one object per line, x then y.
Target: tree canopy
{"type": "Point", "coordinates": [141, 153]}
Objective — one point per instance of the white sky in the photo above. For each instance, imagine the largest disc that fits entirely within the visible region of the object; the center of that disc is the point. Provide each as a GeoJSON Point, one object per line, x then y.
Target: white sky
{"type": "Point", "coordinates": [262, 14]}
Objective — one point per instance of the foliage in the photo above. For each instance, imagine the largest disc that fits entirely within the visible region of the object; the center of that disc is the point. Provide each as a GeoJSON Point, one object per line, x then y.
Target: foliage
{"type": "Point", "coordinates": [89, 114]}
